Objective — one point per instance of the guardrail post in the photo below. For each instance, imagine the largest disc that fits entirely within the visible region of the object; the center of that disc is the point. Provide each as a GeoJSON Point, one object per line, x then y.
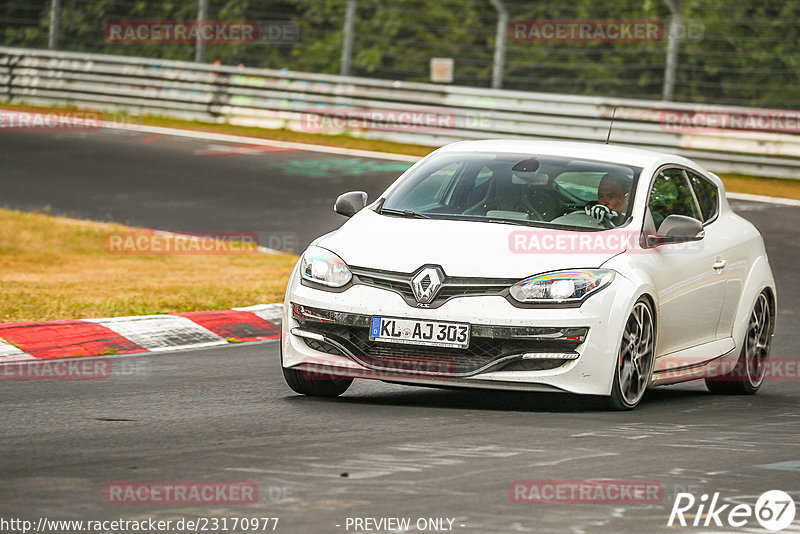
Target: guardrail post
{"type": "Point", "coordinates": [499, 44]}
{"type": "Point", "coordinates": [55, 16]}
{"type": "Point", "coordinates": [200, 45]}
{"type": "Point", "coordinates": [12, 62]}
{"type": "Point", "coordinates": [347, 37]}
{"type": "Point", "coordinates": [672, 50]}
{"type": "Point", "coordinates": [220, 95]}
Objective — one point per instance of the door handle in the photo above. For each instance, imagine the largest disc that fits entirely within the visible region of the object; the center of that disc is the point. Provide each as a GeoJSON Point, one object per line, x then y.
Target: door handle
{"type": "Point", "coordinates": [720, 264]}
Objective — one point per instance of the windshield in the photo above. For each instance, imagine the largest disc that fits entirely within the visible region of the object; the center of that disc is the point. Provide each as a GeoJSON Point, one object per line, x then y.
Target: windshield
{"type": "Point", "coordinates": [569, 193]}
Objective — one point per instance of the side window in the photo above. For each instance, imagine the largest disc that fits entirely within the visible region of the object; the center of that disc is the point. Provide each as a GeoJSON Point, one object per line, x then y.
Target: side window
{"type": "Point", "coordinates": [707, 195]}
{"type": "Point", "coordinates": [671, 195]}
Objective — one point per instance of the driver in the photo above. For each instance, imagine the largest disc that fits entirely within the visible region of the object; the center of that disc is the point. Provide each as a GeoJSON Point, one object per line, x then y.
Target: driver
{"type": "Point", "coordinates": [612, 199]}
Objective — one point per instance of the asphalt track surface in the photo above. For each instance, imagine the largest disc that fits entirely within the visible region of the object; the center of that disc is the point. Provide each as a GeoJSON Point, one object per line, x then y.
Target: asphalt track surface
{"type": "Point", "coordinates": [381, 450]}
{"type": "Point", "coordinates": [184, 185]}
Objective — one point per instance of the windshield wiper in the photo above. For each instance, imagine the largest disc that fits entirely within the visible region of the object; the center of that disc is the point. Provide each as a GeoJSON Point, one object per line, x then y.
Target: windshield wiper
{"type": "Point", "coordinates": [404, 213]}
{"type": "Point", "coordinates": [514, 222]}
{"type": "Point", "coordinates": [508, 221]}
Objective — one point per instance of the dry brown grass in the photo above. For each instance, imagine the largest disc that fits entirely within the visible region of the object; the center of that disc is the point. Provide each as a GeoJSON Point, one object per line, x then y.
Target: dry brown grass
{"type": "Point", "coordinates": [58, 268]}
{"type": "Point", "coordinates": [771, 187]}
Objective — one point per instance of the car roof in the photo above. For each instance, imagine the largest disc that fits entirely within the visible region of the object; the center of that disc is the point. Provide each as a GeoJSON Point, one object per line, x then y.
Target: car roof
{"type": "Point", "coordinates": [610, 153]}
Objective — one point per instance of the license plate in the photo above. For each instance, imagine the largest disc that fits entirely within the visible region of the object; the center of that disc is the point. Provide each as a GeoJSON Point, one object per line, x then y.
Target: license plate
{"type": "Point", "coordinates": [415, 332]}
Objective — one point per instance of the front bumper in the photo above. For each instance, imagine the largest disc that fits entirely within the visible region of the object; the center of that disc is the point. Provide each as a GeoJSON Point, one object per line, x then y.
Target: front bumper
{"type": "Point", "coordinates": [552, 349]}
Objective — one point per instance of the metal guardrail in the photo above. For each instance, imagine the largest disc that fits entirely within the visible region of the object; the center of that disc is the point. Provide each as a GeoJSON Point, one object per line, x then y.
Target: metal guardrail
{"type": "Point", "coordinates": [298, 101]}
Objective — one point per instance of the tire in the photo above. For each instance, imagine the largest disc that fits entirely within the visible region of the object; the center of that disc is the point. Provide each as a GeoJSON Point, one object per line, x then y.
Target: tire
{"type": "Point", "coordinates": [748, 373]}
{"type": "Point", "coordinates": [315, 385]}
{"type": "Point", "coordinates": [635, 360]}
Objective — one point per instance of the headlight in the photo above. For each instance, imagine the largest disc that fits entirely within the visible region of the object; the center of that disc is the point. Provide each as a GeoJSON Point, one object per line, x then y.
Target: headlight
{"type": "Point", "coordinates": [324, 267]}
{"type": "Point", "coordinates": [561, 286]}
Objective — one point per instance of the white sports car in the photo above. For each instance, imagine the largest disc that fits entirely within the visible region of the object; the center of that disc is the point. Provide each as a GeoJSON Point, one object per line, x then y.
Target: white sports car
{"type": "Point", "coordinates": [540, 266]}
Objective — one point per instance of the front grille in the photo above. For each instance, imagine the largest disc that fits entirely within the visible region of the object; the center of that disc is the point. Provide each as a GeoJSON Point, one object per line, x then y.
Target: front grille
{"type": "Point", "coordinates": [451, 287]}
{"type": "Point", "coordinates": [448, 292]}
{"type": "Point", "coordinates": [483, 353]}
{"type": "Point", "coordinates": [401, 287]}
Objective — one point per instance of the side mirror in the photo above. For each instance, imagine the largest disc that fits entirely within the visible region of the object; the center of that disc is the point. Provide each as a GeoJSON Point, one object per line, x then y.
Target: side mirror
{"type": "Point", "coordinates": [677, 229]}
{"type": "Point", "coordinates": [350, 203]}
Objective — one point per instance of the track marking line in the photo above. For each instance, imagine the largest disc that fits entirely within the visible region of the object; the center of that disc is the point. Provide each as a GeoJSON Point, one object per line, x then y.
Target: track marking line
{"type": "Point", "coordinates": [762, 198]}
{"type": "Point", "coordinates": [239, 139]}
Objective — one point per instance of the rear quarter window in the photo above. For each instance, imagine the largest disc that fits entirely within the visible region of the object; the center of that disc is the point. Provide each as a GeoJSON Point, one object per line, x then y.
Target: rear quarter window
{"type": "Point", "coordinates": [707, 195]}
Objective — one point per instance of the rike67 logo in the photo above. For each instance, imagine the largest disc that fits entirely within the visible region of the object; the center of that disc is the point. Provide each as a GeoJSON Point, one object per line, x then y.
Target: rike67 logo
{"type": "Point", "coordinates": [774, 510]}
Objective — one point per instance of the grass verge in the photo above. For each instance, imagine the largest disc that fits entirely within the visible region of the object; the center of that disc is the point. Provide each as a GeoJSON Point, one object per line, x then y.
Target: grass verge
{"type": "Point", "coordinates": [754, 185]}
{"type": "Point", "coordinates": [58, 268]}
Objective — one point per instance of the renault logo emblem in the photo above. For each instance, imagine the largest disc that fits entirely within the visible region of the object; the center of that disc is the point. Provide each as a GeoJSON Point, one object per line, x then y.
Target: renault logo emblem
{"type": "Point", "coordinates": [426, 284]}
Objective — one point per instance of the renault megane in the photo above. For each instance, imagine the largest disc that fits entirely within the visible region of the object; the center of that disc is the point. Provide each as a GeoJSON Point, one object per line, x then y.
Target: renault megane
{"type": "Point", "coordinates": [541, 266]}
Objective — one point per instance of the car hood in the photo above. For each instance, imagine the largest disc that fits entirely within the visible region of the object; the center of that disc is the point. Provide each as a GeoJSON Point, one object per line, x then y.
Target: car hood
{"type": "Point", "coordinates": [461, 248]}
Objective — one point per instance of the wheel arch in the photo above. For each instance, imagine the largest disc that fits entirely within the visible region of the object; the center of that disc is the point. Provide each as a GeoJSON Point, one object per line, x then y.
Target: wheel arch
{"type": "Point", "coordinates": [759, 279]}
{"type": "Point", "coordinates": [773, 303]}
{"type": "Point", "coordinates": [644, 288]}
{"type": "Point", "coordinates": [652, 301]}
